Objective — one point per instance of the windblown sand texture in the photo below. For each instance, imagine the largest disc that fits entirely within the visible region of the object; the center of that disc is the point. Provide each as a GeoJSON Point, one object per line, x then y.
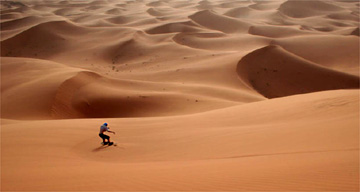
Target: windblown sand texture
{"type": "Point", "coordinates": [202, 94]}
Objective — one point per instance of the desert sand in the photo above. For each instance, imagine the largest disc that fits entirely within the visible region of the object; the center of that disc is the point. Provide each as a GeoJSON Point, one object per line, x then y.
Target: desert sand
{"type": "Point", "coordinates": [204, 95]}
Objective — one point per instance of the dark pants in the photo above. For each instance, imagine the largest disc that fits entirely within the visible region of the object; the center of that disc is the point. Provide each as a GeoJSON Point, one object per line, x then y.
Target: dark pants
{"type": "Point", "coordinates": [103, 136]}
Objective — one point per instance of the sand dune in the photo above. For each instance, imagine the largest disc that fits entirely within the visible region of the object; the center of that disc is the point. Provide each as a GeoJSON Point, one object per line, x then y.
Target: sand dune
{"type": "Point", "coordinates": [301, 9]}
{"type": "Point", "coordinates": [276, 31]}
{"type": "Point", "coordinates": [23, 22]}
{"type": "Point", "coordinates": [159, 153]}
{"type": "Point", "coordinates": [40, 41]}
{"type": "Point", "coordinates": [80, 97]}
{"type": "Point", "coordinates": [214, 21]}
{"type": "Point", "coordinates": [232, 4]}
{"type": "Point", "coordinates": [204, 95]}
{"type": "Point", "coordinates": [156, 3]}
{"type": "Point", "coordinates": [122, 19]}
{"type": "Point", "coordinates": [337, 52]}
{"type": "Point", "coordinates": [175, 27]}
{"type": "Point", "coordinates": [240, 12]}
{"type": "Point", "coordinates": [272, 65]}
{"type": "Point", "coordinates": [9, 16]}
{"type": "Point", "coordinates": [114, 11]}
{"type": "Point", "coordinates": [219, 41]}
{"type": "Point", "coordinates": [264, 5]}
{"type": "Point", "coordinates": [161, 11]}
{"type": "Point", "coordinates": [356, 32]}
{"type": "Point", "coordinates": [14, 7]}
{"type": "Point", "coordinates": [36, 81]}
{"type": "Point", "coordinates": [344, 16]}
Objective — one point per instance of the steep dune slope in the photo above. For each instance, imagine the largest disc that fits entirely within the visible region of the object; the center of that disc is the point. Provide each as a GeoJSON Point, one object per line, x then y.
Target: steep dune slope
{"type": "Point", "coordinates": [29, 94]}
{"type": "Point", "coordinates": [61, 92]}
{"type": "Point", "coordinates": [274, 72]}
{"type": "Point", "coordinates": [89, 95]}
{"type": "Point", "coordinates": [337, 52]}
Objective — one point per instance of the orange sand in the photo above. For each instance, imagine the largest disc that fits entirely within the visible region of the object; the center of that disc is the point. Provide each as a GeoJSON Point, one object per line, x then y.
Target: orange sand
{"type": "Point", "coordinates": [203, 95]}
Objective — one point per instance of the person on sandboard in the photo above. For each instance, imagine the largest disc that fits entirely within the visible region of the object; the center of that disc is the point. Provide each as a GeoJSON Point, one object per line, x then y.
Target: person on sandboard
{"type": "Point", "coordinates": [105, 128]}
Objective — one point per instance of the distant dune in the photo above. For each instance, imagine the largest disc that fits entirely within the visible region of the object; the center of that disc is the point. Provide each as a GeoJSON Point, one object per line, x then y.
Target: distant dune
{"type": "Point", "coordinates": [274, 72]}
{"type": "Point", "coordinates": [204, 95]}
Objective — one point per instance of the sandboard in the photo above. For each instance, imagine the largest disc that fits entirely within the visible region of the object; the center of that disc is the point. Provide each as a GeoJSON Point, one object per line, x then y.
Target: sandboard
{"type": "Point", "coordinates": [107, 143]}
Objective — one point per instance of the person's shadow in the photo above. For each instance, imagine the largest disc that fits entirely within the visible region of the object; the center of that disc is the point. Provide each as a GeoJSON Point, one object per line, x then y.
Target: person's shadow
{"type": "Point", "coordinates": [106, 146]}
{"type": "Point", "coordinates": [100, 148]}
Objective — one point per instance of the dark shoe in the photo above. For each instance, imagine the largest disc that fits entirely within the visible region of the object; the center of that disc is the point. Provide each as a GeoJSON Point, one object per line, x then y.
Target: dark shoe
{"type": "Point", "coordinates": [111, 143]}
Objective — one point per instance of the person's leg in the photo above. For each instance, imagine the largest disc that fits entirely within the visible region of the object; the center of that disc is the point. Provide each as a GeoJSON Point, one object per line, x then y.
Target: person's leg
{"type": "Point", "coordinates": [108, 138]}
{"type": "Point", "coordinates": [102, 137]}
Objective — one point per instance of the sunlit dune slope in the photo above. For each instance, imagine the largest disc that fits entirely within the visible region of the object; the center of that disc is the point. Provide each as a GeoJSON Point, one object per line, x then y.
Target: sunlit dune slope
{"type": "Point", "coordinates": [316, 135]}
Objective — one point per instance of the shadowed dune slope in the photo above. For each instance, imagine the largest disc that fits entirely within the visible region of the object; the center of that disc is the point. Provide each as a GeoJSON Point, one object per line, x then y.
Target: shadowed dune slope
{"type": "Point", "coordinates": [276, 31]}
{"type": "Point", "coordinates": [20, 23]}
{"type": "Point", "coordinates": [344, 16]}
{"type": "Point", "coordinates": [61, 92]}
{"type": "Point", "coordinates": [10, 16]}
{"type": "Point", "coordinates": [43, 40]}
{"type": "Point", "coordinates": [214, 21]}
{"type": "Point", "coordinates": [274, 72]}
{"type": "Point", "coordinates": [356, 32]}
{"type": "Point", "coordinates": [240, 12]}
{"type": "Point", "coordinates": [89, 95]}
{"type": "Point", "coordinates": [122, 19]}
{"type": "Point", "coordinates": [301, 9]}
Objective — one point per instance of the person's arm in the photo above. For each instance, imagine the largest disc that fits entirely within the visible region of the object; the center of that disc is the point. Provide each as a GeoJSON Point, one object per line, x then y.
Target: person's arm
{"type": "Point", "coordinates": [110, 131]}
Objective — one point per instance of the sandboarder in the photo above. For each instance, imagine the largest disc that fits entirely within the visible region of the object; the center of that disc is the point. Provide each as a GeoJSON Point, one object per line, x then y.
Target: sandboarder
{"type": "Point", "coordinates": [105, 128]}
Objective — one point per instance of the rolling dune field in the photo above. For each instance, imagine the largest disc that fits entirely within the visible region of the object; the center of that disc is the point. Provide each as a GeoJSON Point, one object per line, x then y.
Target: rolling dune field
{"type": "Point", "coordinates": [204, 95]}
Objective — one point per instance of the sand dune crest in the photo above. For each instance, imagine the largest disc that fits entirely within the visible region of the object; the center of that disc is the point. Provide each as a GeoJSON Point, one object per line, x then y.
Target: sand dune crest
{"type": "Point", "coordinates": [186, 27]}
{"type": "Point", "coordinates": [336, 52]}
